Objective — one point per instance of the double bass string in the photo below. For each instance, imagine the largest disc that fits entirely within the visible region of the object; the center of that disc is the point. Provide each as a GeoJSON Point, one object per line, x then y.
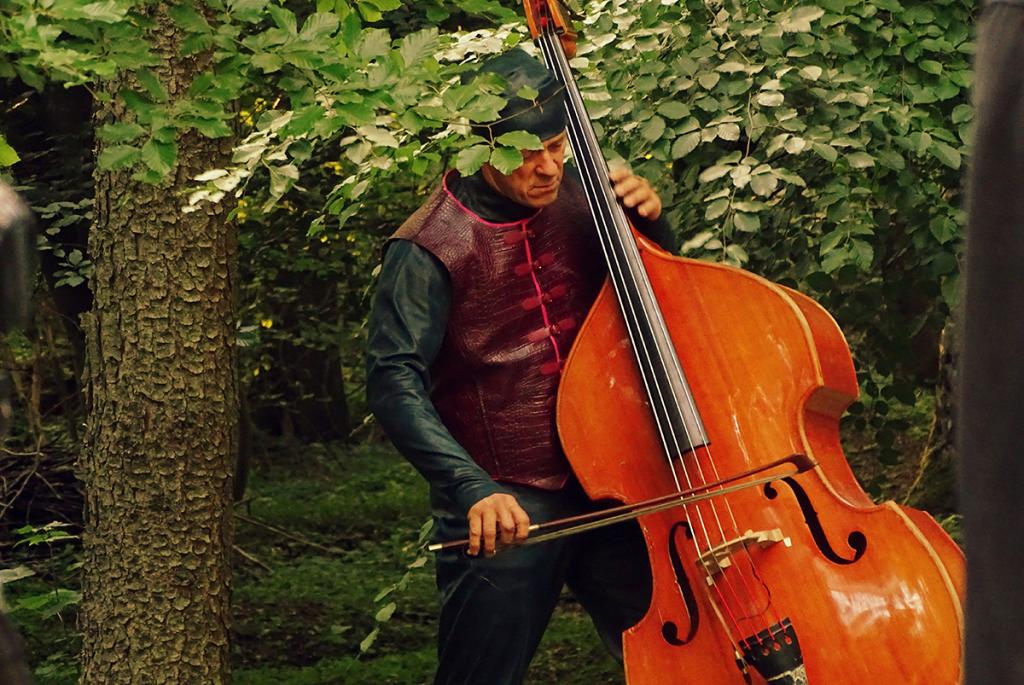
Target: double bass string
{"type": "Point", "coordinates": [557, 59]}
{"type": "Point", "coordinates": [640, 345]}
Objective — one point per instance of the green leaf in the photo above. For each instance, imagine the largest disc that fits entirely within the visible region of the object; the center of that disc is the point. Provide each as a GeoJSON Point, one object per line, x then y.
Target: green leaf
{"type": "Point", "coordinates": [420, 45]}
{"type": "Point", "coordinates": [484, 108]}
{"type": "Point", "coordinates": [9, 575]}
{"type": "Point", "coordinates": [951, 292]}
{"type": "Point", "coordinates": [118, 157]}
{"type": "Point", "coordinates": [355, 113]}
{"type": "Point", "coordinates": [713, 172]}
{"type": "Point", "coordinates": [864, 253]}
{"type": "Point", "coordinates": [685, 144]}
{"type": "Point", "coordinates": [369, 12]}
{"type": "Point", "coordinates": [962, 113]}
{"type": "Point", "coordinates": [528, 93]}
{"type": "Point", "coordinates": [8, 155]}
{"type": "Point", "coordinates": [357, 152]}
{"type": "Point", "coordinates": [282, 179]}
{"type": "Point", "coordinates": [764, 184]}
{"type": "Point", "coordinates": [860, 160]}
{"type": "Point", "coordinates": [189, 19]}
{"type": "Point", "coordinates": [833, 260]}
{"type": "Point", "coordinates": [832, 240]}
{"type": "Point", "coordinates": [716, 209]}
{"type": "Point", "coordinates": [284, 18]}
{"type": "Point", "coordinates": [506, 159]}
{"type": "Point", "coordinates": [267, 62]}
{"type": "Point", "coordinates": [520, 140]}
{"type": "Point", "coordinates": [673, 109]}
{"type": "Point", "coordinates": [120, 132]}
{"type": "Point", "coordinates": [799, 20]}
{"type": "Point", "coordinates": [351, 30]}
{"type": "Point", "coordinates": [653, 129]}
{"type": "Point", "coordinates": [378, 136]}
{"type": "Point", "coordinates": [731, 67]}
{"type": "Point", "coordinates": [930, 66]}
{"type": "Point", "coordinates": [811, 73]}
{"type": "Point", "coordinates": [248, 10]}
{"type": "Point", "coordinates": [318, 26]}
{"type": "Point", "coordinates": [770, 99]}
{"type": "Point", "coordinates": [368, 641]}
{"type": "Point", "coordinates": [149, 81]}
{"type": "Point", "coordinates": [826, 152]}
{"type": "Point", "coordinates": [373, 43]}
{"type": "Point", "coordinates": [196, 43]}
{"type": "Point", "coordinates": [946, 154]}
{"type": "Point", "coordinates": [709, 79]}
{"type": "Point", "coordinates": [747, 222]}
{"type": "Point", "coordinates": [211, 175]}
{"type": "Point", "coordinates": [891, 159]}
{"type": "Point", "coordinates": [736, 253]}
{"type": "Point", "coordinates": [749, 206]}
{"type": "Point", "coordinates": [471, 159]}
{"type": "Point", "coordinates": [696, 242]}
{"type": "Point", "coordinates": [795, 145]}
{"type": "Point", "coordinates": [302, 124]}
{"type": "Point", "coordinates": [107, 11]}
{"type": "Point", "coordinates": [211, 128]}
{"type": "Point", "coordinates": [919, 14]}
{"type": "Point", "coordinates": [789, 177]}
{"type": "Point", "coordinates": [385, 612]}
{"type": "Point", "coordinates": [160, 157]}
{"type": "Point", "coordinates": [729, 132]}
{"type": "Point", "coordinates": [943, 229]}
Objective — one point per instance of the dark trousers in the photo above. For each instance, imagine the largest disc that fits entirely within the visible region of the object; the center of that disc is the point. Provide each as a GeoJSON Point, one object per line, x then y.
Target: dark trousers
{"type": "Point", "coordinates": [494, 610]}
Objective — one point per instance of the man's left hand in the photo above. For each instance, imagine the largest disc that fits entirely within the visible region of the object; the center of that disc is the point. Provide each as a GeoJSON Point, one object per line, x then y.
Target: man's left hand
{"type": "Point", "coordinates": [635, 192]}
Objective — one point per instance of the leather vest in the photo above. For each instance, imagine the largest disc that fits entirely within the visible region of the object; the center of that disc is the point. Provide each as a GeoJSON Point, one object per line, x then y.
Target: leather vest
{"type": "Point", "coordinates": [519, 293]}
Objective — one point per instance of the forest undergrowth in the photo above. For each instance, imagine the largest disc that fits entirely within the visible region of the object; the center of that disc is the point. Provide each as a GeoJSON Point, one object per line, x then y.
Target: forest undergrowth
{"type": "Point", "coordinates": [321, 532]}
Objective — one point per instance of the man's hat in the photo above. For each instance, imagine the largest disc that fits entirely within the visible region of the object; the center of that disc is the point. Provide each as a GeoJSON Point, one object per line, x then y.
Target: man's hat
{"type": "Point", "coordinates": [543, 116]}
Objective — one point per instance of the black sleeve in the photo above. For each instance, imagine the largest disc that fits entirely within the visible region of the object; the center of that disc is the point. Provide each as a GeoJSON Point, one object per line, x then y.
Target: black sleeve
{"type": "Point", "coordinates": [406, 328]}
{"type": "Point", "coordinates": [657, 230]}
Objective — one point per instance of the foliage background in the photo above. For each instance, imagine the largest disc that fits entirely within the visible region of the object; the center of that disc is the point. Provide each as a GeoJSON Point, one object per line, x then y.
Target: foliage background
{"type": "Point", "coordinates": [817, 143]}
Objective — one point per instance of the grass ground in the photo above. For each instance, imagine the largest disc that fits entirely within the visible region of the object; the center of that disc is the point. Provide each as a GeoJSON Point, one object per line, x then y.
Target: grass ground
{"type": "Point", "coordinates": [302, 622]}
{"type": "Point", "coordinates": [322, 532]}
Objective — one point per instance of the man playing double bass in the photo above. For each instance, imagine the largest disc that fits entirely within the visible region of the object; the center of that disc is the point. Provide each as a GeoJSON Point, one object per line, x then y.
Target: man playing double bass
{"type": "Point", "coordinates": [480, 296]}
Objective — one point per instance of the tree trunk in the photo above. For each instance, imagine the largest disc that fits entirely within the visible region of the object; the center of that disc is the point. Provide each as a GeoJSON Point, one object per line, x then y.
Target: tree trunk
{"type": "Point", "coordinates": [162, 417]}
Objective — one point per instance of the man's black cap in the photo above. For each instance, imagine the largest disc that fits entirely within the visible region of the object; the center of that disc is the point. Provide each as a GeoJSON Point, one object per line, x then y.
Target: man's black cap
{"type": "Point", "coordinates": [543, 116]}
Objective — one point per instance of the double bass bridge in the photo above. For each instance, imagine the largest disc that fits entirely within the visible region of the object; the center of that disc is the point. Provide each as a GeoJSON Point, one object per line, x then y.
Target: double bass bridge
{"type": "Point", "coordinates": [719, 557]}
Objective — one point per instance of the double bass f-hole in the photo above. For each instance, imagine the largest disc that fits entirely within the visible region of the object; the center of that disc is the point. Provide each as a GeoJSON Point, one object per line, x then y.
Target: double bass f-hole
{"type": "Point", "coordinates": [857, 541]}
{"type": "Point", "coordinates": [669, 629]}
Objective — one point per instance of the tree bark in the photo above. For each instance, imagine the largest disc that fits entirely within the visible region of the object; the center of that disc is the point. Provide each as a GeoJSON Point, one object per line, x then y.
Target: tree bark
{"type": "Point", "coordinates": [162, 399]}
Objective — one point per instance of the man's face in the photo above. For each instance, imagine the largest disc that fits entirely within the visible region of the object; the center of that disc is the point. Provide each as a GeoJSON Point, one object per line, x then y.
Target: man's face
{"type": "Point", "coordinates": [535, 183]}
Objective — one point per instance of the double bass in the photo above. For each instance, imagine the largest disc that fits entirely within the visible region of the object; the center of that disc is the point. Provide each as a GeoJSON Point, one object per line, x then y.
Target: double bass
{"type": "Point", "coordinates": [686, 372]}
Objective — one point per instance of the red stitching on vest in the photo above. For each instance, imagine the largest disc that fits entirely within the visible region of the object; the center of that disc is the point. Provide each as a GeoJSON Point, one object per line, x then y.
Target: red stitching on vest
{"type": "Point", "coordinates": [537, 264]}
{"type": "Point", "coordinates": [550, 368]}
{"type": "Point", "coordinates": [543, 309]}
{"type": "Point", "coordinates": [553, 294]}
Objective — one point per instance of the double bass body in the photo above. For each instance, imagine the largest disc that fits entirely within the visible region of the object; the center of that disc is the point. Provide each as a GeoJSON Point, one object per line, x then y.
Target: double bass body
{"type": "Point", "coordinates": [810, 579]}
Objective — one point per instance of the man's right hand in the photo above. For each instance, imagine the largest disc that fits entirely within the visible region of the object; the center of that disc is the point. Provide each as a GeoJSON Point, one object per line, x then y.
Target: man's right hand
{"type": "Point", "coordinates": [494, 515]}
